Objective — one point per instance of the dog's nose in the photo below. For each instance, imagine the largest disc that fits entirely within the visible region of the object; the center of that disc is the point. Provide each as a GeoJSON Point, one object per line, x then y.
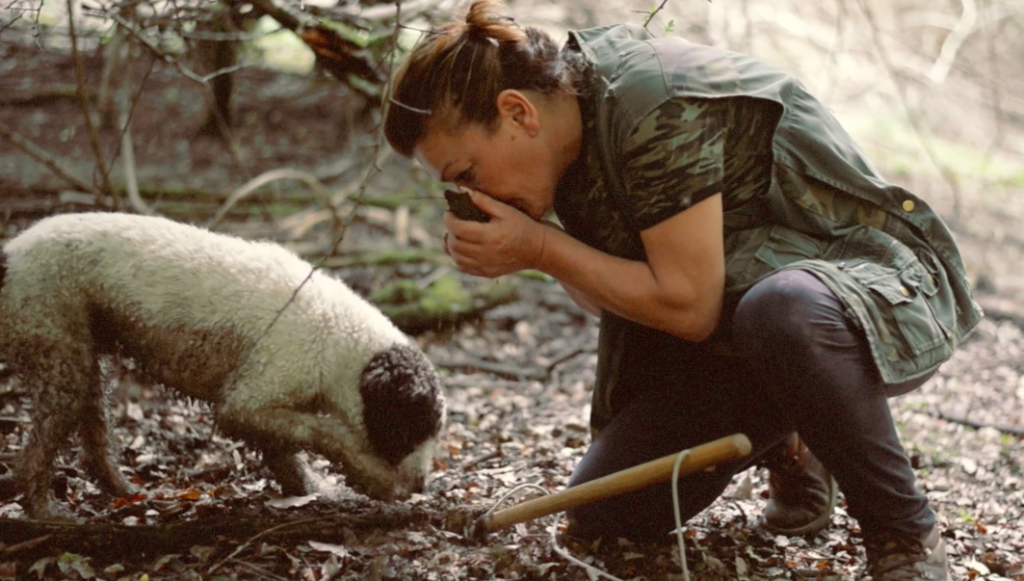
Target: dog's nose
{"type": "Point", "coordinates": [407, 484]}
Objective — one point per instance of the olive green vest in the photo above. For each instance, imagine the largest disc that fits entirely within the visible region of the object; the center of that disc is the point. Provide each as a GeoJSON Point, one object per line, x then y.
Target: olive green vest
{"type": "Point", "coordinates": [879, 248]}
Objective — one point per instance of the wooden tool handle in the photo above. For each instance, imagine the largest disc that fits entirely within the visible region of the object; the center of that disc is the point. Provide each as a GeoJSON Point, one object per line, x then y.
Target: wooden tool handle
{"type": "Point", "coordinates": [628, 480]}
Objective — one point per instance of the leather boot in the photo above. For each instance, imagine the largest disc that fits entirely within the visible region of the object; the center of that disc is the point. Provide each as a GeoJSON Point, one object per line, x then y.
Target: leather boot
{"type": "Point", "coordinates": [802, 493]}
{"type": "Point", "coordinates": [902, 557]}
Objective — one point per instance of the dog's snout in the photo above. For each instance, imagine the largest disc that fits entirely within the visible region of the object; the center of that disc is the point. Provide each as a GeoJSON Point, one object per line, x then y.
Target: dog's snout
{"type": "Point", "coordinates": [409, 484]}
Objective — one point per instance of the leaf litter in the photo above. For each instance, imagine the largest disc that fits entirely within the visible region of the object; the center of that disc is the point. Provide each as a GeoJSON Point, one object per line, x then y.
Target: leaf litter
{"type": "Point", "coordinates": [503, 432]}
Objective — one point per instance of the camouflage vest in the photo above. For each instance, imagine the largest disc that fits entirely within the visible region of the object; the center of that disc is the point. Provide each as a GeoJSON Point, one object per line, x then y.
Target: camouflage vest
{"type": "Point", "coordinates": [878, 247]}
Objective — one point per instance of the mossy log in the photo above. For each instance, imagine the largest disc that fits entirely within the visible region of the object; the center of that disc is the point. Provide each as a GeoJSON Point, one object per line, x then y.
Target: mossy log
{"type": "Point", "coordinates": [445, 303]}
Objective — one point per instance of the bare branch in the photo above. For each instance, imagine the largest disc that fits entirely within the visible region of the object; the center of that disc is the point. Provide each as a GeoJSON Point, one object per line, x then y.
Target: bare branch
{"type": "Point", "coordinates": [189, 74]}
{"type": "Point", "coordinates": [94, 138]}
{"type": "Point", "coordinates": [385, 12]}
{"type": "Point", "coordinates": [954, 40]}
{"type": "Point", "coordinates": [17, 17]}
{"type": "Point", "coordinates": [40, 155]}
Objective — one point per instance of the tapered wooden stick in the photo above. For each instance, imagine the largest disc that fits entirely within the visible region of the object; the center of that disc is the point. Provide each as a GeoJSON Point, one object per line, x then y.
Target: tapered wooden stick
{"type": "Point", "coordinates": [621, 482]}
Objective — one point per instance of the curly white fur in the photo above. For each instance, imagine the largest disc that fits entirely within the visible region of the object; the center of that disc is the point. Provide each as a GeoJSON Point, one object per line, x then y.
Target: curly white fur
{"type": "Point", "coordinates": [287, 355]}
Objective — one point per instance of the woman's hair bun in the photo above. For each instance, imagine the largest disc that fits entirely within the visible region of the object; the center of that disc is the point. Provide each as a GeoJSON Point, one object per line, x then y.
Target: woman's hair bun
{"type": "Point", "coordinates": [487, 20]}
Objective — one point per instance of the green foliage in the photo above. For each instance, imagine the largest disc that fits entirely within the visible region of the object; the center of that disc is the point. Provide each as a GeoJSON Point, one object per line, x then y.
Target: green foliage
{"type": "Point", "coordinates": [445, 294]}
{"type": "Point", "coordinates": [443, 303]}
{"type": "Point", "coordinates": [964, 516]}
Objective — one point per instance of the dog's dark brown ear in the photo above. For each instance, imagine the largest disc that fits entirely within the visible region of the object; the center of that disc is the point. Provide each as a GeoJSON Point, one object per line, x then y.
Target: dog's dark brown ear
{"type": "Point", "coordinates": [403, 405]}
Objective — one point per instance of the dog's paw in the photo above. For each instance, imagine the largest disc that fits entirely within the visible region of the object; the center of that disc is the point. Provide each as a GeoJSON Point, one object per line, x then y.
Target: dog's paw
{"type": "Point", "coordinates": [119, 488]}
{"type": "Point", "coordinates": [289, 471]}
{"type": "Point", "coordinates": [50, 511]}
{"type": "Point", "coordinates": [108, 478]}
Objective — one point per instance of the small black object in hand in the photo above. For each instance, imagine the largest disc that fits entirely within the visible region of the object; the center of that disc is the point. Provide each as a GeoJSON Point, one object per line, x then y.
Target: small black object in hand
{"type": "Point", "coordinates": [462, 206]}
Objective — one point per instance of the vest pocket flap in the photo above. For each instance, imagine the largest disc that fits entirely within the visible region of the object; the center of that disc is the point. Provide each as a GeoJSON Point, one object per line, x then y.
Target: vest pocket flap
{"type": "Point", "coordinates": [917, 279]}
{"type": "Point", "coordinates": [884, 281]}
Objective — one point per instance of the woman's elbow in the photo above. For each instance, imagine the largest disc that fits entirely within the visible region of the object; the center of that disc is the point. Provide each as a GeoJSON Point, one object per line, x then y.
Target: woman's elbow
{"type": "Point", "coordinates": [703, 328]}
{"type": "Point", "coordinates": [702, 320]}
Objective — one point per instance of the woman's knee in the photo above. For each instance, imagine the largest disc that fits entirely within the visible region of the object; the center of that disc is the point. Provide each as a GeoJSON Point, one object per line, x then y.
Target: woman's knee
{"type": "Point", "coordinates": [791, 310]}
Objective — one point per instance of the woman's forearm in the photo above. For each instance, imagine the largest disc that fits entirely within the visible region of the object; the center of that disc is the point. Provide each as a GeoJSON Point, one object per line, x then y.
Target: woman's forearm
{"type": "Point", "coordinates": [631, 290]}
{"type": "Point", "coordinates": [581, 299]}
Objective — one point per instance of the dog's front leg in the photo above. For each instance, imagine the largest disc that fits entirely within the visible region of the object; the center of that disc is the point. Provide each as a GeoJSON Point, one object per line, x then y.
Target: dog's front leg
{"type": "Point", "coordinates": [97, 445]}
{"type": "Point", "coordinates": [287, 470]}
{"type": "Point", "coordinates": [283, 428]}
{"type": "Point", "coordinates": [59, 376]}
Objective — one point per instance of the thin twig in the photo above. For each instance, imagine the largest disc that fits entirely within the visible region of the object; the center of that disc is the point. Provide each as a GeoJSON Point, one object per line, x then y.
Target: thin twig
{"type": "Point", "coordinates": [383, 12]}
{"type": "Point", "coordinates": [509, 371]}
{"type": "Point", "coordinates": [43, 157]}
{"type": "Point", "coordinates": [16, 18]}
{"type": "Point", "coordinates": [25, 545]}
{"type": "Point", "coordinates": [261, 571]}
{"type": "Point", "coordinates": [94, 138]}
{"type": "Point", "coordinates": [653, 13]}
{"type": "Point", "coordinates": [563, 358]}
{"type": "Point", "coordinates": [473, 462]}
{"type": "Point", "coordinates": [125, 112]}
{"type": "Point", "coordinates": [1010, 430]}
{"type": "Point", "coordinates": [253, 539]}
{"type": "Point", "coordinates": [191, 75]}
{"type": "Point", "coordinates": [131, 181]}
{"type": "Point", "coordinates": [915, 123]}
{"type": "Point", "coordinates": [340, 227]}
{"type": "Point", "coordinates": [994, 87]}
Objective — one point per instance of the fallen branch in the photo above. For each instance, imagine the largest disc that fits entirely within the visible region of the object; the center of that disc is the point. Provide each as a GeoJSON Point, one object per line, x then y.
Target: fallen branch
{"type": "Point", "coordinates": [508, 371]}
{"type": "Point", "coordinates": [31, 539]}
{"type": "Point", "coordinates": [128, 159]}
{"type": "Point", "coordinates": [254, 184]}
{"type": "Point", "coordinates": [41, 97]}
{"type": "Point", "coordinates": [1004, 429]}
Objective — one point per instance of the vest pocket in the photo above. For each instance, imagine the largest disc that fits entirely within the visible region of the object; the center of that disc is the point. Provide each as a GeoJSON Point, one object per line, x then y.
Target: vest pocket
{"type": "Point", "coordinates": [903, 315]}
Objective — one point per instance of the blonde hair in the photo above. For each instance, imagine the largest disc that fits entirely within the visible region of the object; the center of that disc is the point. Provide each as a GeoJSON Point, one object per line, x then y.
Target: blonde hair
{"type": "Point", "coordinates": [454, 74]}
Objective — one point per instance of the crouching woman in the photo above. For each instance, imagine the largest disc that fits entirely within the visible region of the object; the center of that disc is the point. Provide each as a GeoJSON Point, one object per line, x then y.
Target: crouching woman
{"type": "Point", "coordinates": [751, 271]}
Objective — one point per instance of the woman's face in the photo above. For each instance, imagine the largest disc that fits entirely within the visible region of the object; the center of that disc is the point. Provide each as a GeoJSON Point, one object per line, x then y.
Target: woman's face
{"type": "Point", "coordinates": [519, 164]}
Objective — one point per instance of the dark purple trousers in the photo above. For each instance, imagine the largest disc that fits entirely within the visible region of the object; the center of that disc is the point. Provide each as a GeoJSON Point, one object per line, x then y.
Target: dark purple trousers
{"type": "Point", "coordinates": [800, 366]}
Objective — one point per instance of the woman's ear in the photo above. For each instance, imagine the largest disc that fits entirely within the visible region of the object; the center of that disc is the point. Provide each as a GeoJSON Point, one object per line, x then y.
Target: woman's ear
{"type": "Point", "coordinates": [517, 108]}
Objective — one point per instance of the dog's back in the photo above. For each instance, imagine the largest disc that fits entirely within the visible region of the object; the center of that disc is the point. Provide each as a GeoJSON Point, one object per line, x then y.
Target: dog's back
{"type": "Point", "coordinates": [173, 288]}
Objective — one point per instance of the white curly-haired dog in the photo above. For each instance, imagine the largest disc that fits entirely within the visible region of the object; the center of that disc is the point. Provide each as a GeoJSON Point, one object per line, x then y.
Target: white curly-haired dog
{"type": "Point", "coordinates": [290, 358]}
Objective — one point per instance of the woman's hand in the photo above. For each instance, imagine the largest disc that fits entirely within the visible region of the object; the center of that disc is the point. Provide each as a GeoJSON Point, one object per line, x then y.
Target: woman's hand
{"type": "Point", "coordinates": [511, 241]}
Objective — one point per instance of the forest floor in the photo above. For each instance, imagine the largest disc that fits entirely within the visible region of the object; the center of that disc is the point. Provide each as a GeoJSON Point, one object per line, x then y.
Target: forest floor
{"type": "Point", "coordinates": [517, 383]}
